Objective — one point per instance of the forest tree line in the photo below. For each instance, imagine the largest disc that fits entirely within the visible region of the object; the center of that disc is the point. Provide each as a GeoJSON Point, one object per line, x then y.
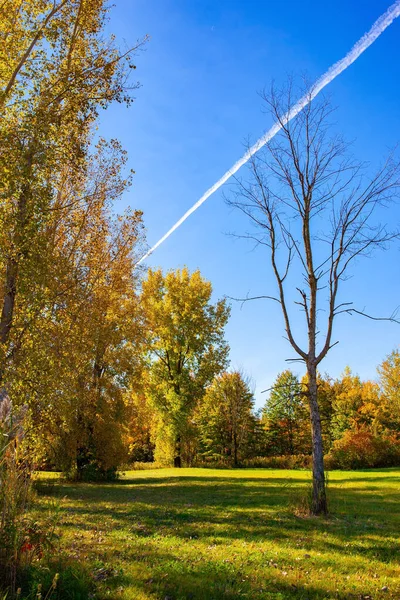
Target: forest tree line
{"type": "Point", "coordinates": [165, 395]}
{"type": "Point", "coordinates": [360, 423]}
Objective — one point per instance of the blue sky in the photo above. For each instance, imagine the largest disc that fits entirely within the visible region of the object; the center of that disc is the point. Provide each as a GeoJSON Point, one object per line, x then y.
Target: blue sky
{"type": "Point", "coordinates": [201, 73]}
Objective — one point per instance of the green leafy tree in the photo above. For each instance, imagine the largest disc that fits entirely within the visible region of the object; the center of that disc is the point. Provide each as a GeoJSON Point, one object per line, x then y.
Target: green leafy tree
{"type": "Point", "coordinates": [286, 418]}
{"type": "Point", "coordinates": [227, 423]}
{"type": "Point", "coordinates": [185, 347]}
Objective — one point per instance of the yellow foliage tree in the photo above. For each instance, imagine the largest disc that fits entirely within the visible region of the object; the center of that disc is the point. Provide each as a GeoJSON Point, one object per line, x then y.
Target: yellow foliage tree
{"type": "Point", "coordinates": [56, 70]}
{"type": "Point", "coordinates": [389, 408]}
{"type": "Point", "coordinates": [186, 349]}
{"type": "Point", "coordinates": [87, 345]}
{"type": "Point", "coordinates": [68, 305]}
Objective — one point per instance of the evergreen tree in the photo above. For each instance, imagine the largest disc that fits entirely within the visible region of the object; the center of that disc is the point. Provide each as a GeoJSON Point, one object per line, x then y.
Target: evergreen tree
{"type": "Point", "coordinates": [285, 417]}
{"type": "Point", "coordinates": [228, 426]}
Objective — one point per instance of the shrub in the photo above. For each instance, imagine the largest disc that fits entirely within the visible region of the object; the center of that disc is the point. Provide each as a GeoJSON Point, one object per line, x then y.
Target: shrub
{"type": "Point", "coordinates": [296, 461]}
{"type": "Point", "coordinates": [59, 579]}
{"type": "Point", "coordinates": [361, 448]}
{"type": "Point", "coordinates": [15, 492]}
{"type": "Point", "coordinates": [141, 466]}
{"type": "Point", "coordinates": [25, 543]}
{"type": "Point", "coordinates": [212, 462]}
{"type": "Point", "coordinates": [93, 472]}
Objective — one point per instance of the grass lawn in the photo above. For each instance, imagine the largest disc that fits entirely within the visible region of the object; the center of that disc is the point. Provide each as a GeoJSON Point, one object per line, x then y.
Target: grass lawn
{"type": "Point", "coordinates": [210, 534]}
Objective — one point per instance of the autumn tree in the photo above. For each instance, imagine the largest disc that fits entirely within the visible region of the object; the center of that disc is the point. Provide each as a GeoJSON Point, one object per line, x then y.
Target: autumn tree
{"type": "Point", "coordinates": [67, 289]}
{"type": "Point", "coordinates": [365, 422]}
{"type": "Point", "coordinates": [141, 415]}
{"type": "Point", "coordinates": [75, 367]}
{"type": "Point", "coordinates": [57, 68]}
{"type": "Point", "coordinates": [355, 403]}
{"type": "Point", "coordinates": [285, 416]}
{"type": "Point", "coordinates": [389, 382]}
{"type": "Point", "coordinates": [140, 426]}
{"type": "Point", "coordinates": [315, 209]}
{"type": "Point", "coordinates": [108, 327]}
{"type": "Point", "coordinates": [226, 419]}
{"type": "Point", "coordinates": [186, 348]}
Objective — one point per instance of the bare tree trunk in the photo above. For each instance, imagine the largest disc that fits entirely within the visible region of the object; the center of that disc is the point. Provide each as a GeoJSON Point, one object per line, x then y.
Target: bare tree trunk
{"type": "Point", "coordinates": [319, 501]}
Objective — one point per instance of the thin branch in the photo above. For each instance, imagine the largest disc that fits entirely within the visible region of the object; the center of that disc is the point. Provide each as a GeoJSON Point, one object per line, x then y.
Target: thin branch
{"type": "Point", "coordinates": [391, 319]}
{"type": "Point", "coordinates": [26, 54]}
{"type": "Point", "coordinates": [248, 299]}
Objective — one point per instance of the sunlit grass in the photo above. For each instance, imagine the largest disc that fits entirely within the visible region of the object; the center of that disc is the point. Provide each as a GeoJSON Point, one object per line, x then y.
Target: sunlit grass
{"type": "Point", "coordinates": [213, 534]}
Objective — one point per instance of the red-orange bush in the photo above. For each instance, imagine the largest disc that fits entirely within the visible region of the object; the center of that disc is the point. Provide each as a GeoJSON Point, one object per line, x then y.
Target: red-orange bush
{"type": "Point", "coordinates": [361, 448]}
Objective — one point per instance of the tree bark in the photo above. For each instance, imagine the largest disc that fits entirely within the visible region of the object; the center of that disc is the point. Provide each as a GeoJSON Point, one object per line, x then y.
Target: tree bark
{"type": "Point", "coordinates": [290, 436]}
{"type": "Point", "coordinates": [319, 501]}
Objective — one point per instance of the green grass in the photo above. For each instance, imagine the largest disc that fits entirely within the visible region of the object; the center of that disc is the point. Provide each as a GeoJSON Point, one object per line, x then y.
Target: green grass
{"type": "Point", "coordinates": [210, 534]}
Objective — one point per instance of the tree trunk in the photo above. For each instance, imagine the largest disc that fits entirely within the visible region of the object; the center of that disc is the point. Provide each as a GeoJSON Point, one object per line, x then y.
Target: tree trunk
{"type": "Point", "coordinates": [235, 451]}
{"type": "Point", "coordinates": [319, 501]}
{"type": "Point", "coordinates": [9, 300]}
{"type": "Point", "coordinates": [177, 458]}
{"type": "Point", "coordinates": [82, 462]}
{"type": "Point", "coordinates": [12, 268]}
{"type": "Point", "coordinates": [290, 436]}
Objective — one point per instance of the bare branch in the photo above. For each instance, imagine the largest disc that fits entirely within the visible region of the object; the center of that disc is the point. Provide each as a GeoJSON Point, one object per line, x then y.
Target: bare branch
{"type": "Point", "coordinates": [310, 198]}
{"type": "Point", "coordinates": [248, 299]}
{"type": "Point", "coordinates": [392, 319]}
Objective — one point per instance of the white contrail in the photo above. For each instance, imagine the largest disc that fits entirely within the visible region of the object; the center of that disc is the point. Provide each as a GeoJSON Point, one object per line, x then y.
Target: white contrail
{"type": "Point", "coordinates": [377, 28]}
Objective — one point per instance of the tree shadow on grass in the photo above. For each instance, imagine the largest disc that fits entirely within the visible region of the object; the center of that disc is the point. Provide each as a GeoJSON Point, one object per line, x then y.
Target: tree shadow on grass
{"type": "Point", "coordinates": [206, 480]}
{"type": "Point", "coordinates": [228, 510]}
{"type": "Point", "coordinates": [348, 539]}
{"type": "Point", "coordinates": [169, 528]}
{"type": "Point", "coordinates": [174, 579]}
{"type": "Point", "coordinates": [367, 480]}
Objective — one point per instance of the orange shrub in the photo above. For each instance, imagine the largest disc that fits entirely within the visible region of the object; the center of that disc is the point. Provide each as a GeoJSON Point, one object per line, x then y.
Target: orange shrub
{"type": "Point", "coordinates": [361, 448]}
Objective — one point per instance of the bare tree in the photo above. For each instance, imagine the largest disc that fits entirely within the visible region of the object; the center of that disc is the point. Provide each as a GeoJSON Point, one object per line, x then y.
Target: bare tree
{"type": "Point", "coordinates": [316, 209]}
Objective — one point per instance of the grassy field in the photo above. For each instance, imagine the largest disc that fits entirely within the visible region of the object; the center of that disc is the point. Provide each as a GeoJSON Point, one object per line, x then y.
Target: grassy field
{"type": "Point", "coordinates": [211, 534]}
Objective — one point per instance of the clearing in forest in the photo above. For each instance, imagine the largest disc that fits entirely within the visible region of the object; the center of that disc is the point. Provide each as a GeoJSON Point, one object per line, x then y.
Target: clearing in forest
{"type": "Point", "coordinates": [205, 534]}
